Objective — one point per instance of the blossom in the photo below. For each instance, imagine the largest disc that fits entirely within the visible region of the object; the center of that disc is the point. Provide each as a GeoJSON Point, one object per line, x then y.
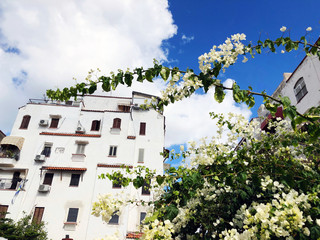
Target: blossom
{"type": "Point", "coordinates": [309, 29]}
{"type": "Point", "coordinates": [283, 29]}
{"type": "Point", "coordinates": [244, 59]}
{"type": "Point", "coordinates": [282, 51]}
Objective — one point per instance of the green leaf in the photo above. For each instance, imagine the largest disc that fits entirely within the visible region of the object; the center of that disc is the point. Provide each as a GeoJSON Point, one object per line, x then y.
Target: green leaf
{"type": "Point", "coordinates": [219, 94]}
{"type": "Point", "coordinates": [138, 182]}
{"type": "Point", "coordinates": [149, 75]}
{"type": "Point", "coordinates": [160, 179]}
{"type": "Point", "coordinates": [128, 79]}
{"type": "Point", "coordinates": [165, 73]}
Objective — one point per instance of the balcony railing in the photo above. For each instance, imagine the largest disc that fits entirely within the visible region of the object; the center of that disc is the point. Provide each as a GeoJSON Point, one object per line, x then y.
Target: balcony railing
{"type": "Point", "coordinates": [10, 183]}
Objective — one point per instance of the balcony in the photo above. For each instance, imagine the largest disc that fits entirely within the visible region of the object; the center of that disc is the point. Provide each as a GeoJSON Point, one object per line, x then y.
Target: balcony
{"type": "Point", "coordinates": [8, 157]}
{"type": "Point", "coordinates": [11, 183]}
{"type": "Point", "coordinates": [10, 150]}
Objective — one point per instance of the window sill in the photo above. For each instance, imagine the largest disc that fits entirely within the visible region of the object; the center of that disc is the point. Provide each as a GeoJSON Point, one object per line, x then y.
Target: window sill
{"type": "Point", "coordinates": [70, 223]}
{"type": "Point", "coordinates": [113, 223]}
{"type": "Point", "coordinates": [74, 186]}
{"type": "Point", "coordinates": [145, 194]}
{"type": "Point", "coordinates": [79, 154]}
{"type": "Point", "coordinates": [116, 187]}
{"type": "Point", "coordinates": [112, 156]}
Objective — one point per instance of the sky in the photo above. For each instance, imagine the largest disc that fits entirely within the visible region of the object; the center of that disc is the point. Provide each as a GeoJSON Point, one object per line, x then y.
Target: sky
{"type": "Point", "coordinates": [45, 44]}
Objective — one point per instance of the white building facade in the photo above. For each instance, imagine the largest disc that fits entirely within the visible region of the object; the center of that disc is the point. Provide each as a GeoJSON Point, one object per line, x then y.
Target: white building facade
{"type": "Point", "coordinates": [302, 87]}
{"type": "Point", "coordinates": [59, 149]}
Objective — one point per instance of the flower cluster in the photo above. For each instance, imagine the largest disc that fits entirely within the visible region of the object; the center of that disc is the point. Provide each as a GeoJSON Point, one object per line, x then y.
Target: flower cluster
{"type": "Point", "coordinates": [106, 206]}
{"type": "Point", "coordinates": [158, 230]}
{"type": "Point", "coordinates": [226, 53]}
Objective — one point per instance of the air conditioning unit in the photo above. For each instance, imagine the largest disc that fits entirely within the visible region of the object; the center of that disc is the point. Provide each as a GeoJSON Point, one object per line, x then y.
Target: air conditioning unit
{"type": "Point", "coordinates": [80, 130]}
{"type": "Point", "coordinates": [43, 122]}
{"type": "Point", "coordinates": [44, 188]}
{"type": "Point", "coordinates": [40, 158]}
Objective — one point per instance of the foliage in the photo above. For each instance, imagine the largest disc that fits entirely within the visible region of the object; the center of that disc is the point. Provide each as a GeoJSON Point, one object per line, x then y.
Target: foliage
{"type": "Point", "coordinates": [268, 187]}
{"type": "Point", "coordinates": [23, 229]}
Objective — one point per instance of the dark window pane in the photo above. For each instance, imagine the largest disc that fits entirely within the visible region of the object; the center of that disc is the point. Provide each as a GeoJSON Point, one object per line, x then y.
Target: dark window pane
{"type": "Point", "coordinates": [142, 216]}
{"type": "Point", "coordinates": [116, 185]}
{"type": "Point", "coordinates": [25, 122]}
{"type": "Point", "coordinates": [114, 219]}
{"type": "Point", "coordinates": [54, 122]}
{"type": "Point", "coordinates": [37, 215]}
{"type": "Point", "coordinates": [75, 178]}
{"type": "Point", "coordinates": [146, 189]}
{"type": "Point", "coordinates": [46, 151]}
{"type": "Point", "coordinates": [48, 179]}
{"type": "Point", "coordinates": [73, 215]}
{"type": "Point", "coordinates": [113, 151]}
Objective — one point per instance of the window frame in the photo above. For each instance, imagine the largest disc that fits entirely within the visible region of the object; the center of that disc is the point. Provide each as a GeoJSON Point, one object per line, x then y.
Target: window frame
{"type": "Point", "coordinates": [3, 210]}
{"type": "Point", "coordinates": [72, 215]}
{"type": "Point", "coordinates": [25, 122]}
{"type": "Point", "coordinates": [81, 148]}
{"type": "Point", "coordinates": [37, 215]}
{"type": "Point", "coordinates": [75, 180]}
{"type": "Point", "coordinates": [145, 189]}
{"type": "Point", "coordinates": [116, 123]}
{"type": "Point", "coordinates": [113, 151]}
{"type": "Point", "coordinates": [45, 152]}
{"type": "Point", "coordinates": [95, 125]}
{"type": "Point", "coordinates": [142, 131]}
{"type": "Point", "coordinates": [54, 122]}
{"type": "Point", "coordinates": [141, 155]}
{"type": "Point", "coordinates": [300, 89]}
{"type": "Point", "coordinates": [114, 216]}
{"type": "Point", "coordinates": [48, 178]}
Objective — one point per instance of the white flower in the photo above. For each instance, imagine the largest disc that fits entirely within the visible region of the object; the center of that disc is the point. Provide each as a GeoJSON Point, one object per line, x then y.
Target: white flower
{"type": "Point", "coordinates": [181, 148]}
{"type": "Point", "coordinates": [282, 51]}
{"type": "Point", "coordinates": [306, 231]}
{"type": "Point", "coordinates": [309, 29]}
{"type": "Point", "coordinates": [283, 29]}
{"type": "Point", "coordinates": [318, 222]}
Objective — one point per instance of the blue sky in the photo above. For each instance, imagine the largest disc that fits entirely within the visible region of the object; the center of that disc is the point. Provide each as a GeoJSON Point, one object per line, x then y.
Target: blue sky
{"type": "Point", "coordinates": [44, 45]}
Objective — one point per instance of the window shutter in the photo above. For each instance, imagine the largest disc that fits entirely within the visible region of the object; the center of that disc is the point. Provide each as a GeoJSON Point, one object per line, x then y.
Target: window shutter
{"type": "Point", "coordinates": [93, 126]}
{"type": "Point", "coordinates": [3, 210]}
{"type": "Point", "coordinates": [54, 122]}
{"type": "Point", "coordinates": [37, 215]}
{"type": "Point", "coordinates": [142, 128]}
{"type": "Point", "coordinates": [114, 219]}
{"type": "Point", "coordinates": [141, 155]}
{"type": "Point", "coordinates": [25, 122]}
{"type": "Point", "coordinates": [116, 123]}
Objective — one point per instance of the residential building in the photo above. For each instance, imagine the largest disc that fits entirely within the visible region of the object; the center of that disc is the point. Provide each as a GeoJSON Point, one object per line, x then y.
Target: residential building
{"type": "Point", "coordinates": [57, 150]}
{"type": "Point", "coordinates": [302, 87]}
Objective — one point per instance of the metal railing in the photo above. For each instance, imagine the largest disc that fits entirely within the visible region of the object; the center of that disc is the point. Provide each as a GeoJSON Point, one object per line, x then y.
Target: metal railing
{"type": "Point", "coordinates": [10, 183]}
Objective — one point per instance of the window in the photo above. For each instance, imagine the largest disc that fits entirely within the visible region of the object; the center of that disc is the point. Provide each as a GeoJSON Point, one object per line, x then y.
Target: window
{"type": "Point", "coordinates": [142, 216]}
{"type": "Point", "coordinates": [114, 219]}
{"type": "Point", "coordinates": [116, 123]}
{"type": "Point", "coordinates": [80, 148]}
{"type": "Point", "coordinates": [300, 89]}
{"type": "Point", "coordinates": [141, 155]}
{"type": "Point", "coordinates": [75, 178]}
{"type": "Point", "coordinates": [124, 108]}
{"type": "Point", "coordinates": [37, 215]}
{"type": "Point", "coordinates": [142, 128]}
{"type": "Point", "coordinates": [145, 189]}
{"type": "Point", "coordinates": [48, 177]}
{"type": "Point", "coordinates": [113, 151]}
{"type": "Point", "coordinates": [95, 126]}
{"type": "Point", "coordinates": [116, 184]}
{"type": "Point", "coordinates": [25, 122]}
{"type": "Point", "coordinates": [54, 122]}
{"type": "Point", "coordinates": [73, 215]}
{"type": "Point", "coordinates": [46, 151]}
{"type": "Point", "coordinates": [3, 210]}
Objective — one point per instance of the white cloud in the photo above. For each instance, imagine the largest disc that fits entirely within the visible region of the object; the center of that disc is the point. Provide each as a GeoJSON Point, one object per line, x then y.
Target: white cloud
{"type": "Point", "coordinates": [43, 44]}
{"type": "Point", "coordinates": [186, 39]}
{"type": "Point", "coordinates": [189, 119]}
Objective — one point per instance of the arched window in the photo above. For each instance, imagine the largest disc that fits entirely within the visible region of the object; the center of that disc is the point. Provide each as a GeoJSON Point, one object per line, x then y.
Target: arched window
{"type": "Point", "coordinates": [95, 126]}
{"type": "Point", "coordinates": [116, 123]}
{"type": "Point", "coordinates": [25, 122]}
{"type": "Point", "coordinates": [300, 89]}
